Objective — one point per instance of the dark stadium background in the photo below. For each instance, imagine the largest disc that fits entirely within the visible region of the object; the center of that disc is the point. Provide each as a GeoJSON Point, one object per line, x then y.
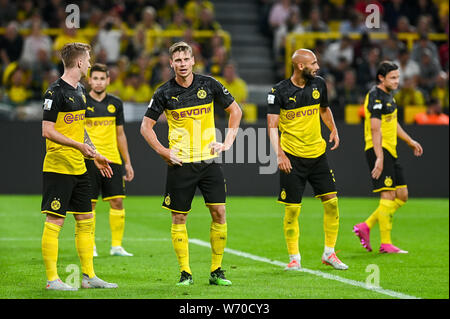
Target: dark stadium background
{"type": "Point", "coordinates": [244, 44]}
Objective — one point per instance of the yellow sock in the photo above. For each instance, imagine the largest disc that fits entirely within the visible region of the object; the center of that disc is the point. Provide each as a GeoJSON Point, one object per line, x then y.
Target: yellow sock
{"type": "Point", "coordinates": [218, 239]}
{"type": "Point", "coordinates": [331, 221]}
{"type": "Point", "coordinates": [95, 222]}
{"type": "Point", "coordinates": [373, 219]}
{"type": "Point", "coordinates": [181, 246]}
{"type": "Point", "coordinates": [50, 249]}
{"type": "Point", "coordinates": [386, 211]}
{"type": "Point", "coordinates": [84, 243]}
{"type": "Point", "coordinates": [117, 224]}
{"type": "Point", "coordinates": [291, 228]}
{"type": "Point", "coordinates": [399, 203]}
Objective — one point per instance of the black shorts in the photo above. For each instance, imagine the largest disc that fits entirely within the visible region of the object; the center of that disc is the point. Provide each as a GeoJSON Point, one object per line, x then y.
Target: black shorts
{"type": "Point", "coordinates": [314, 170]}
{"type": "Point", "coordinates": [391, 177]}
{"type": "Point", "coordinates": [110, 188]}
{"type": "Point", "coordinates": [182, 182]}
{"type": "Point", "coordinates": [64, 193]}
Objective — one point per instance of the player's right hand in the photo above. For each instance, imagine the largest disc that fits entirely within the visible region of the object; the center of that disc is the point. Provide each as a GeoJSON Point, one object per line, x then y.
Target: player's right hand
{"type": "Point", "coordinates": [284, 164]}
{"type": "Point", "coordinates": [171, 158]}
{"type": "Point", "coordinates": [377, 169]}
{"type": "Point", "coordinates": [86, 150]}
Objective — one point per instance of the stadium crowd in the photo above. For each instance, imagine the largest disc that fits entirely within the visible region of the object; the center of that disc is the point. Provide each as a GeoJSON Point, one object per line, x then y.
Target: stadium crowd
{"type": "Point", "coordinates": [118, 33]}
{"type": "Point", "coordinates": [349, 66]}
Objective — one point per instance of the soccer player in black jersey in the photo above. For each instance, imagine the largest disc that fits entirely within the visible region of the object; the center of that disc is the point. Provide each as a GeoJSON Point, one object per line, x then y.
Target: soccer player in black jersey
{"type": "Point", "coordinates": [295, 107]}
{"type": "Point", "coordinates": [381, 130]}
{"type": "Point", "coordinates": [105, 126]}
{"type": "Point", "coordinates": [188, 101]}
{"type": "Point", "coordinates": [66, 185]}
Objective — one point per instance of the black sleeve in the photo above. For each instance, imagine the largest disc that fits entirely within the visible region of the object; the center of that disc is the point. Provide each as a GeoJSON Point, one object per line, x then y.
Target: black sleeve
{"type": "Point", "coordinates": [324, 95]}
{"type": "Point", "coordinates": [120, 119]}
{"type": "Point", "coordinates": [156, 106]}
{"type": "Point", "coordinates": [374, 105]}
{"type": "Point", "coordinates": [52, 104]}
{"type": "Point", "coordinates": [222, 97]}
{"type": "Point", "coordinates": [273, 102]}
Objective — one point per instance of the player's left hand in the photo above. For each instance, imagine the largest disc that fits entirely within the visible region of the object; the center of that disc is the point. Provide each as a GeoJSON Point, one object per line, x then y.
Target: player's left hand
{"type": "Point", "coordinates": [129, 173]}
{"type": "Point", "coordinates": [217, 148]}
{"type": "Point", "coordinates": [102, 164]}
{"type": "Point", "coordinates": [334, 137]}
{"type": "Point", "coordinates": [416, 147]}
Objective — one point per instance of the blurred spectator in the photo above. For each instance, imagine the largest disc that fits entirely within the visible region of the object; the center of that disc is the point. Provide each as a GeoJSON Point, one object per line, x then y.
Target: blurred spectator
{"type": "Point", "coordinates": [367, 70]}
{"type": "Point", "coordinates": [354, 24]}
{"type": "Point", "coordinates": [166, 75]}
{"type": "Point", "coordinates": [408, 67]}
{"type": "Point", "coordinates": [206, 21]}
{"type": "Point", "coordinates": [49, 13]}
{"type": "Point", "coordinates": [137, 43]}
{"type": "Point", "coordinates": [168, 12]}
{"type": "Point", "coordinates": [49, 77]}
{"type": "Point", "coordinates": [440, 91]}
{"type": "Point", "coordinates": [34, 44]}
{"type": "Point", "coordinates": [279, 13]}
{"type": "Point", "coordinates": [163, 62]}
{"type": "Point", "coordinates": [424, 25]}
{"type": "Point", "coordinates": [433, 115]}
{"type": "Point", "coordinates": [424, 8]}
{"type": "Point", "coordinates": [95, 19]}
{"type": "Point", "coordinates": [217, 62]}
{"type": "Point", "coordinates": [391, 47]}
{"type": "Point", "coordinates": [291, 25]}
{"type": "Point", "coordinates": [193, 9]}
{"type": "Point", "coordinates": [316, 24]}
{"type": "Point", "coordinates": [109, 37]}
{"type": "Point", "coordinates": [347, 93]}
{"type": "Point", "coordinates": [18, 93]}
{"type": "Point", "coordinates": [149, 23]}
{"type": "Point", "coordinates": [409, 94]}
{"type": "Point", "coordinates": [200, 64]}
{"type": "Point", "coordinates": [234, 84]}
{"type": "Point", "coordinates": [8, 12]}
{"type": "Point", "coordinates": [429, 69]}
{"type": "Point", "coordinates": [116, 85]}
{"type": "Point", "coordinates": [339, 49]}
{"type": "Point", "coordinates": [66, 36]}
{"type": "Point", "coordinates": [421, 45]}
{"type": "Point", "coordinates": [403, 25]}
{"type": "Point", "coordinates": [178, 22]}
{"type": "Point", "coordinates": [393, 11]}
{"type": "Point", "coordinates": [443, 54]}
{"type": "Point", "coordinates": [136, 90]}
{"type": "Point", "coordinates": [11, 44]}
{"type": "Point", "coordinates": [25, 12]}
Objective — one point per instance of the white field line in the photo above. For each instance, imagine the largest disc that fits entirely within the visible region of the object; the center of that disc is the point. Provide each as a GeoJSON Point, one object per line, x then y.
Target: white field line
{"type": "Point", "coordinates": [256, 258]}
{"type": "Point", "coordinates": [309, 271]}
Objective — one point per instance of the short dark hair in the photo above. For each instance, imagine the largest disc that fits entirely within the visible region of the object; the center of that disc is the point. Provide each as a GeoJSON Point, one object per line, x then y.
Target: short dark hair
{"type": "Point", "coordinates": [99, 67]}
{"type": "Point", "coordinates": [71, 51]}
{"type": "Point", "coordinates": [384, 68]}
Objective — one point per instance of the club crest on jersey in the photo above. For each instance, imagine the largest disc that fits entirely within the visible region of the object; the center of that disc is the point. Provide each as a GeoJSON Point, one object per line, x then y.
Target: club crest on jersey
{"type": "Point", "coordinates": [388, 181]}
{"type": "Point", "coordinates": [201, 94]}
{"type": "Point", "coordinates": [167, 200]}
{"type": "Point", "coordinates": [111, 108]}
{"type": "Point", "coordinates": [315, 94]}
{"type": "Point", "coordinates": [55, 205]}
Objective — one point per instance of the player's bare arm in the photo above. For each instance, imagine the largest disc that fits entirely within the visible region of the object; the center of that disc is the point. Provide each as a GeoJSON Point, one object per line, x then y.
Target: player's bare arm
{"type": "Point", "coordinates": [414, 145]}
{"type": "Point", "coordinates": [100, 161]}
{"type": "Point", "coordinates": [168, 155]}
{"type": "Point", "coordinates": [375, 126]}
{"type": "Point", "coordinates": [123, 149]}
{"type": "Point", "coordinates": [284, 164]}
{"type": "Point", "coordinates": [328, 119]}
{"type": "Point", "coordinates": [235, 113]}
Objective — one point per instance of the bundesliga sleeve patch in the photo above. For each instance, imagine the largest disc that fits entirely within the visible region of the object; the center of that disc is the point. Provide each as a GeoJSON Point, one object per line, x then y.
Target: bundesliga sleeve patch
{"type": "Point", "coordinates": [48, 104]}
{"type": "Point", "coordinates": [270, 99]}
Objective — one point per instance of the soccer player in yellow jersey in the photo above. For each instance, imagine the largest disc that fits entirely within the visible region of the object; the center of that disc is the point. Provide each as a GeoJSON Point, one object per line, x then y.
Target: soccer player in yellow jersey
{"type": "Point", "coordinates": [381, 130]}
{"type": "Point", "coordinates": [188, 101]}
{"type": "Point", "coordinates": [66, 185]}
{"type": "Point", "coordinates": [104, 124]}
{"type": "Point", "coordinates": [295, 107]}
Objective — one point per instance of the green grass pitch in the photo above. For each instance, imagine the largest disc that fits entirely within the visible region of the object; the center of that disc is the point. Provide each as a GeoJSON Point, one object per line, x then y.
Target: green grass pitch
{"type": "Point", "coordinates": [254, 227]}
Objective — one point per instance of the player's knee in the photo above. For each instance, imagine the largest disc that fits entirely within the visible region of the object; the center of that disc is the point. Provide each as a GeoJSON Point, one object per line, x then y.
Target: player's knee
{"type": "Point", "coordinates": [402, 194]}
{"type": "Point", "coordinates": [218, 213]}
{"type": "Point", "coordinates": [179, 218]}
{"type": "Point", "coordinates": [116, 203]}
{"type": "Point", "coordinates": [389, 195]}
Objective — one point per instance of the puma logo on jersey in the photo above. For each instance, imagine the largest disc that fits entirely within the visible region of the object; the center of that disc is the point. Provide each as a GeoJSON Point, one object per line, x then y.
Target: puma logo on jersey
{"type": "Point", "coordinates": [90, 109]}
{"type": "Point", "coordinates": [71, 99]}
{"type": "Point", "coordinates": [293, 99]}
{"type": "Point", "coordinates": [175, 98]}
